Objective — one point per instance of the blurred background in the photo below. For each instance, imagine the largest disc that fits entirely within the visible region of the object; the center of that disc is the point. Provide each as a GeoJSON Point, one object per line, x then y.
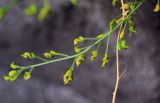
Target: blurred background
{"type": "Point", "coordinates": [91, 84]}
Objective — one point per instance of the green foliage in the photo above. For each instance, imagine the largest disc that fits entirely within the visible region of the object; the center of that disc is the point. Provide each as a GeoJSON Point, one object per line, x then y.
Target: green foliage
{"type": "Point", "coordinates": [122, 22]}
{"type": "Point", "coordinates": [114, 2]}
{"type": "Point", "coordinates": [2, 13]}
{"type": "Point", "coordinates": [112, 24]}
{"type": "Point", "coordinates": [44, 12]}
{"type": "Point", "coordinates": [122, 45]}
{"type": "Point", "coordinates": [31, 10]}
{"type": "Point", "coordinates": [75, 2]}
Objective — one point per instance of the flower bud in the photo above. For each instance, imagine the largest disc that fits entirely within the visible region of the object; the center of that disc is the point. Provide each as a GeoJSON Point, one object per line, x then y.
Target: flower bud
{"type": "Point", "coordinates": [157, 8]}
{"type": "Point", "coordinates": [94, 55]}
{"type": "Point", "coordinates": [122, 34]}
{"type": "Point", "coordinates": [100, 36]}
{"type": "Point", "coordinates": [77, 49]}
{"type": "Point", "coordinates": [105, 60]}
{"type": "Point", "coordinates": [27, 75]}
{"type": "Point", "coordinates": [14, 66]}
{"type": "Point", "coordinates": [68, 77]}
{"type": "Point", "coordinates": [28, 55]}
{"type": "Point", "coordinates": [47, 55]}
{"type": "Point", "coordinates": [80, 59]}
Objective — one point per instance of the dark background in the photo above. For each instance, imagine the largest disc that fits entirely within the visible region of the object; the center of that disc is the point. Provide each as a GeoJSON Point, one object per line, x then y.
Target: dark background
{"type": "Point", "coordinates": [91, 84]}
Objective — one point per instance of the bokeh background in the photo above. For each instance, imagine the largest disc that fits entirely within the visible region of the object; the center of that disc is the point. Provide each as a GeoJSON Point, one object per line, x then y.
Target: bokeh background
{"type": "Point", "coordinates": [91, 84]}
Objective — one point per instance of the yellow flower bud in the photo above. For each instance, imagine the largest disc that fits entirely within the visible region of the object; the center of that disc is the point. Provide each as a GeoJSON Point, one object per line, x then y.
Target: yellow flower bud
{"type": "Point", "coordinates": [6, 78]}
{"type": "Point", "coordinates": [27, 75]}
{"type": "Point", "coordinates": [14, 66]}
{"type": "Point", "coordinates": [53, 53]}
{"type": "Point", "coordinates": [68, 77]}
{"type": "Point", "coordinates": [77, 49]}
{"type": "Point", "coordinates": [100, 36]}
{"type": "Point", "coordinates": [76, 41]}
{"type": "Point", "coordinates": [105, 60]}
{"type": "Point", "coordinates": [125, 6]}
{"type": "Point", "coordinates": [47, 55]}
{"type": "Point", "coordinates": [13, 73]}
{"type": "Point", "coordinates": [119, 20]}
{"type": "Point", "coordinates": [157, 8]}
{"type": "Point", "coordinates": [28, 55]}
{"type": "Point", "coordinates": [122, 34]}
{"type": "Point", "coordinates": [80, 59]}
{"type": "Point", "coordinates": [81, 39]}
{"type": "Point", "coordinates": [94, 55]}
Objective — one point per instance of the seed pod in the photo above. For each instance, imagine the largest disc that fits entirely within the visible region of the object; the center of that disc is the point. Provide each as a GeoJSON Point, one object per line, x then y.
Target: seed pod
{"type": "Point", "coordinates": [79, 40]}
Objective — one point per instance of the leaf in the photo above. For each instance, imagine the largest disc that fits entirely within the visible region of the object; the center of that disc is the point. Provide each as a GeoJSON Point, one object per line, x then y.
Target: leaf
{"type": "Point", "coordinates": [75, 2]}
{"type": "Point", "coordinates": [2, 13]}
{"type": "Point", "coordinates": [31, 10]}
{"type": "Point", "coordinates": [114, 2]}
{"type": "Point", "coordinates": [122, 45]}
{"type": "Point", "coordinates": [131, 25]}
{"type": "Point", "coordinates": [112, 24]}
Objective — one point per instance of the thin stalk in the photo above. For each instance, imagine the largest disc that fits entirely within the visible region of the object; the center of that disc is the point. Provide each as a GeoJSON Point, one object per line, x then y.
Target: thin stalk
{"type": "Point", "coordinates": [117, 54]}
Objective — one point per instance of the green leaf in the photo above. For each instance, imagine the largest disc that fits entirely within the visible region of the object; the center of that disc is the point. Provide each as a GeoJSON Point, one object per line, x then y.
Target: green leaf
{"type": "Point", "coordinates": [2, 13]}
{"type": "Point", "coordinates": [44, 12]}
{"type": "Point", "coordinates": [31, 10]}
{"type": "Point", "coordinates": [131, 25]}
{"type": "Point", "coordinates": [122, 45]}
{"type": "Point", "coordinates": [114, 2]}
{"type": "Point", "coordinates": [112, 24]}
